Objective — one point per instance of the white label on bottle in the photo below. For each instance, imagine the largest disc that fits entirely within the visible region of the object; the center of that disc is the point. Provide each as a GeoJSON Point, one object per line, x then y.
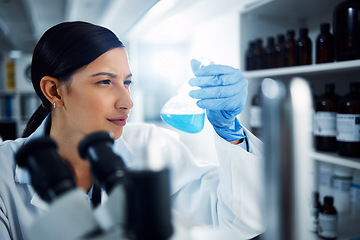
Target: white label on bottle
{"type": "Point", "coordinates": [348, 127]}
{"type": "Point", "coordinates": [327, 225]}
{"type": "Point", "coordinates": [355, 193]}
{"type": "Point", "coordinates": [342, 184]}
{"type": "Point", "coordinates": [325, 178]}
{"type": "Point", "coordinates": [255, 116]}
{"type": "Point", "coordinates": [325, 124]}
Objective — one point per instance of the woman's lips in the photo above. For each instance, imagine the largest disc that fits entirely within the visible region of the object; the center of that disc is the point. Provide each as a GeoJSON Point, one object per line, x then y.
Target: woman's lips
{"type": "Point", "coordinates": [120, 121]}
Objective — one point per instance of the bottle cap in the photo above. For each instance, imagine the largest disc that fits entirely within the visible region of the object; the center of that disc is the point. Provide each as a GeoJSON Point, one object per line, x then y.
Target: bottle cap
{"type": "Point", "coordinates": [270, 40]}
{"type": "Point", "coordinates": [280, 38]}
{"type": "Point", "coordinates": [355, 85]}
{"type": "Point", "coordinates": [290, 33]}
{"type": "Point", "coordinates": [259, 41]}
{"type": "Point", "coordinates": [304, 31]}
{"type": "Point", "coordinates": [330, 87]}
{"type": "Point", "coordinates": [315, 195]}
{"type": "Point", "coordinates": [328, 200]}
{"type": "Point", "coordinates": [325, 27]}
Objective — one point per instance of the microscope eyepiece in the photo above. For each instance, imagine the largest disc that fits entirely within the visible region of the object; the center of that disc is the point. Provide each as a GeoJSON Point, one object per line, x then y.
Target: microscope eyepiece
{"type": "Point", "coordinates": [33, 147]}
{"type": "Point", "coordinates": [94, 139]}
{"type": "Point", "coordinates": [107, 168]}
{"type": "Point", "coordinates": [50, 175]}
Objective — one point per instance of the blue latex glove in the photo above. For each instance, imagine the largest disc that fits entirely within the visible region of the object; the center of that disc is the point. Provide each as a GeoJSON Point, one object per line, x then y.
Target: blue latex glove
{"type": "Point", "coordinates": [223, 93]}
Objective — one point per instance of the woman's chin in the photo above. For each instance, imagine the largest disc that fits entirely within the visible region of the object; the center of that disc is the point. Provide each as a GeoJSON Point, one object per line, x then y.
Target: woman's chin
{"type": "Point", "coordinates": [116, 135]}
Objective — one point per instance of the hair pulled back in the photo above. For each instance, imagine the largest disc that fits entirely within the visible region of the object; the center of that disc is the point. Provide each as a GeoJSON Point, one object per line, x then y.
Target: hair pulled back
{"type": "Point", "coordinates": [62, 50]}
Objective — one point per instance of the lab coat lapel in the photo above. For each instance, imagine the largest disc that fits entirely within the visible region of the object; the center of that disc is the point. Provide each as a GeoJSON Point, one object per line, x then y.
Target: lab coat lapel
{"type": "Point", "coordinates": [39, 203]}
{"type": "Point", "coordinates": [22, 176]}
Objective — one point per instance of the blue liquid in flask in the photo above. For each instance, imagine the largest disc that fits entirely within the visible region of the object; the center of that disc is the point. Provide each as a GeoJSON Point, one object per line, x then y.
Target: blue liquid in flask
{"type": "Point", "coordinates": [190, 123]}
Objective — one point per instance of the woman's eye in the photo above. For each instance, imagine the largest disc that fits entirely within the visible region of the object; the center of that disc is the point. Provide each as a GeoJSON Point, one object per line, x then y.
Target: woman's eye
{"type": "Point", "coordinates": [127, 83]}
{"type": "Point", "coordinates": [104, 82]}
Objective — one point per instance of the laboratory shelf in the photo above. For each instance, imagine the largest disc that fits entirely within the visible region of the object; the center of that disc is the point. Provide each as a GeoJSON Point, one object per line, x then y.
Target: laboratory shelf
{"type": "Point", "coordinates": [286, 10]}
{"type": "Point", "coordinates": [7, 93]}
{"type": "Point", "coordinates": [269, 18]}
{"type": "Point", "coordinates": [22, 104]}
{"type": "Point", "coordinates": [6, 119]}
{"type": "Point", "coordinates": [306, 70]}
{"type": "Point", "coordinates": [335, 158]}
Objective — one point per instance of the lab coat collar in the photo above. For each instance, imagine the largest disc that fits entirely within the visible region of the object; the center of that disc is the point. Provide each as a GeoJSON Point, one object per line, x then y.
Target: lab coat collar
{"type": "Point", "coordinates": [122, 149]}
{"type": "Point", "coordinates": [21, 174]}
{"type": "Point", "coordinates": [39, 203]}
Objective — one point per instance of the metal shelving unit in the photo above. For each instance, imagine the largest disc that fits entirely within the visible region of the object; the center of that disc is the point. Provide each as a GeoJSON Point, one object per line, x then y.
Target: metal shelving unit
{"type": "Point", "coordinates": [277, 16]}
{"type": "Point", "coordinates": [24, 100]}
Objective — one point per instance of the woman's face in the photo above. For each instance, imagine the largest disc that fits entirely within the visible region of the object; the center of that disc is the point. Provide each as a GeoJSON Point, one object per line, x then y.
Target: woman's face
{"type": "Point", "coordinates": [98, 95]}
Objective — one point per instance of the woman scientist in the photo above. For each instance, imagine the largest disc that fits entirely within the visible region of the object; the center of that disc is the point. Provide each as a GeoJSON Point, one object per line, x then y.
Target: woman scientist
{"type": "Point", "coordinates": [81, 73]}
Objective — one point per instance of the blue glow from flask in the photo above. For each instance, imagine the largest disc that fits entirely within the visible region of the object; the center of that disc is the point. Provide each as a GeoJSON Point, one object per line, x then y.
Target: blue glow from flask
{"type": "Point", "coordinates": [190, 123]}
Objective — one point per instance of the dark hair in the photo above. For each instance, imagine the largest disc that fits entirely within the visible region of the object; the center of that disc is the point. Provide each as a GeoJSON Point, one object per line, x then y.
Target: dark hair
{"type": "Point", "coordinates": [61, 50]}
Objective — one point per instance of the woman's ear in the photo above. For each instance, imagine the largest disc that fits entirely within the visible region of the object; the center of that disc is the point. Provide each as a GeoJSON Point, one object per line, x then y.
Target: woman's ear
{"type": "Point", "coordinates": [49, 87]}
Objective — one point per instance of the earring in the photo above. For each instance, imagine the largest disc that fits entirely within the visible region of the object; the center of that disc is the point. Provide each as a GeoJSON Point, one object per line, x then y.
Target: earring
{"type": "Point", "coordinates": [54, 104]}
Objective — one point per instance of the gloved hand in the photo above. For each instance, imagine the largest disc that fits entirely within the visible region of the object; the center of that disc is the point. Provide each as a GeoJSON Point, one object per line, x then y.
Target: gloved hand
{"type": "Point", "coordinates": [223, 93]}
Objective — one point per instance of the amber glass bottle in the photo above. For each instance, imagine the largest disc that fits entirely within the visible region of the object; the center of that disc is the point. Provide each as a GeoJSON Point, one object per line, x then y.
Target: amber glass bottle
{"type": "Point", "coordinates": [269, 52]}
{"type": "Point", "coordinates": [256, 114]}
{"type": "Point", "coordinates": [324, 45]}
{"type": "Point", "coordinates": [290, 48]}
{"type": "Point", "coordinates": [259, 54]}
{"type": "Point", "coordinates": [348, 122]}
{"type": "Point", "coordinates": [328, 219]}
{"type": "Point", "coordinates": [249, 56]}
{"type": "Point", "coordinates": [303, 48]}
{"type": "Point", "coordinates": [280, 51]}
{"type": "Point", "coordinates": [346, 29]}
{"type": "Point", "coordinates": [325, 120]}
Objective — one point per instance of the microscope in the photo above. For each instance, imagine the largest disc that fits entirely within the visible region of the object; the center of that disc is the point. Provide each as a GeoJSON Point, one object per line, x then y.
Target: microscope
{"type": "Point", "coordinates": [138, 204]}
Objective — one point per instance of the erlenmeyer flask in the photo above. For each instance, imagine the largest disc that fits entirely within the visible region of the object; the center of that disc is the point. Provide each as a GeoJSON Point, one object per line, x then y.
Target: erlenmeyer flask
{"type": "Point", "coordinates": [181, 111]}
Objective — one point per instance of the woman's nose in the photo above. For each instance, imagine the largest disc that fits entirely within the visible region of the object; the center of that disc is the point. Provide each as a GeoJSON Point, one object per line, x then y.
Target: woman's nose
{"type": "Point", "coordinates": [124, 100]}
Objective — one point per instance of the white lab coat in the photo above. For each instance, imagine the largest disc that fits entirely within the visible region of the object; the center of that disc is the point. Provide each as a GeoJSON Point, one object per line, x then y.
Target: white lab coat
{"type": "Point", "coordinates": [228, 193]}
